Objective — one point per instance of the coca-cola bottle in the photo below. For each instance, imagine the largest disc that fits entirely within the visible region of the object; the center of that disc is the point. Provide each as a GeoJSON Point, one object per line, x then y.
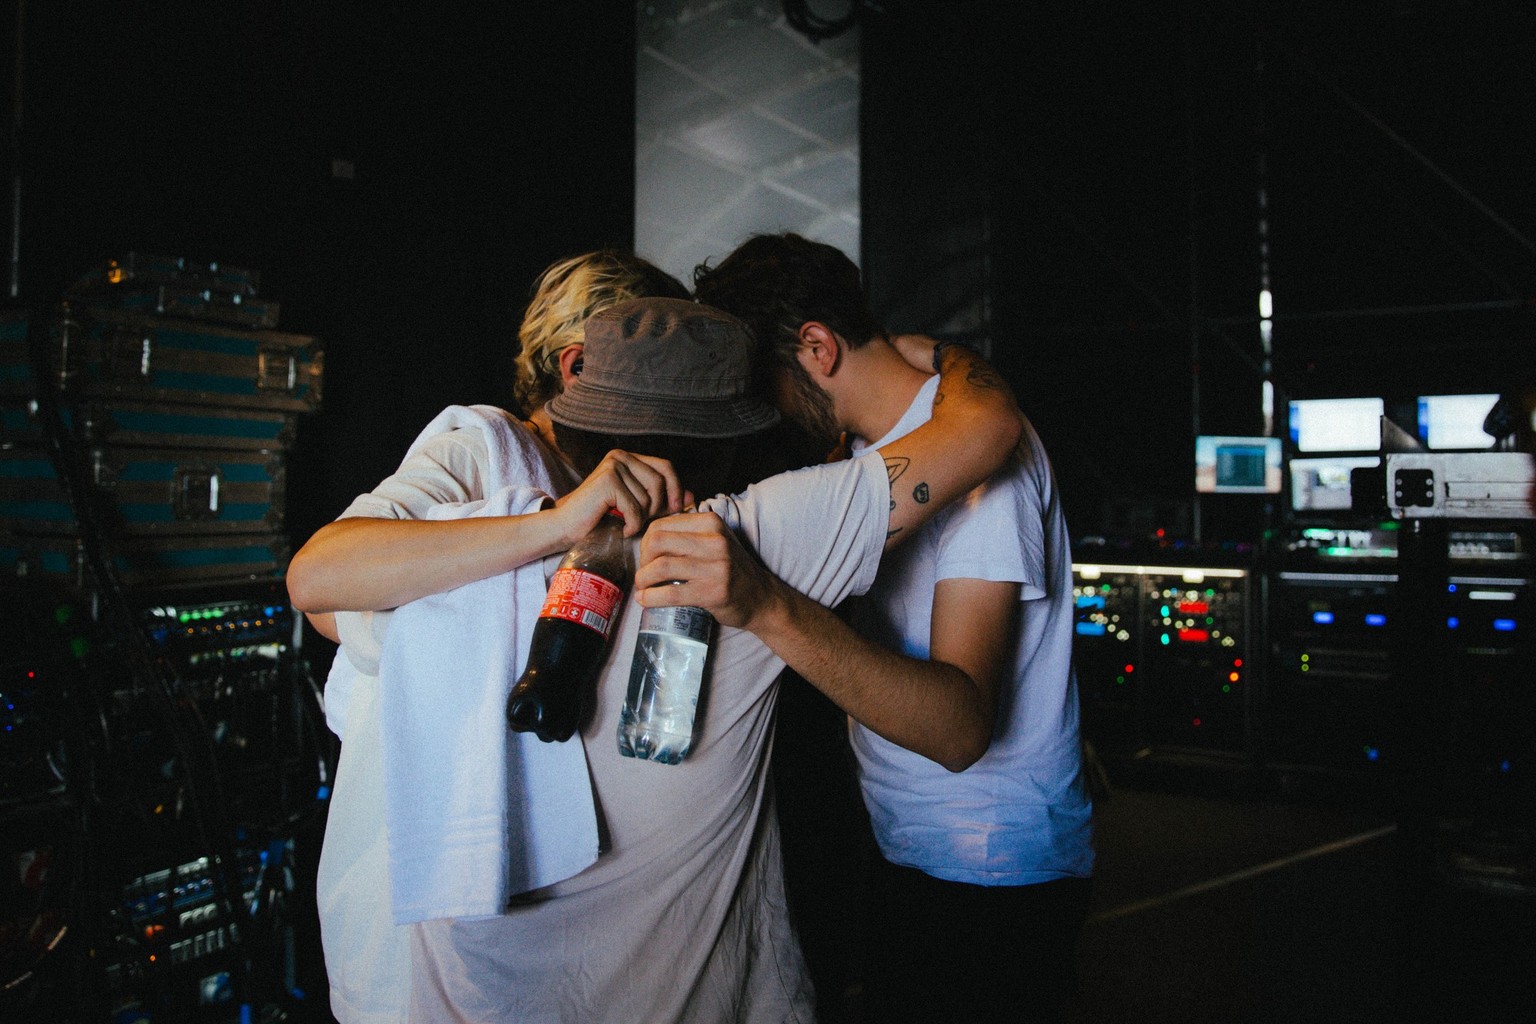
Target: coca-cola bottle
{"type": "Point", "coordinates": [570, 638]}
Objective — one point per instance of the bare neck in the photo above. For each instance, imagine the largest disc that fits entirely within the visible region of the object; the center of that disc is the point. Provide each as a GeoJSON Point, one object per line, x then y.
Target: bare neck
{"type": "Point", "coordinates": [539, 420]}
{"type": "Point", "coordinates": [875, 387]}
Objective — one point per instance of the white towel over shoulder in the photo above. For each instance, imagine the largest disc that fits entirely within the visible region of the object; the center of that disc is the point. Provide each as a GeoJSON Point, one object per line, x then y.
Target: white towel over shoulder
{"type": "Point", "coordinates": [476, 813]}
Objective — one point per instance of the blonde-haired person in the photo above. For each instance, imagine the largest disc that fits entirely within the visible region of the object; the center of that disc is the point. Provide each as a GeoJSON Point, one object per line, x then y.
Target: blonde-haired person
{"type": "Point", "coordinates": [421, 918]}
{"type": "Point", "coordinates": [564, 296]}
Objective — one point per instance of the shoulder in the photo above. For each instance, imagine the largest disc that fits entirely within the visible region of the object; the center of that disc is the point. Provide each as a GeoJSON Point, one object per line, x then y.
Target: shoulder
{"type": "Point", "coordinates": [845, 485]}
{"type": "Point", "coordinates": [820, 529]}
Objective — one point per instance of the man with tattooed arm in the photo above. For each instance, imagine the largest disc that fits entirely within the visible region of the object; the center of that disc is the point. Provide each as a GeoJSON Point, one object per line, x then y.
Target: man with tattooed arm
{"type": "Point", "coordinates": [958, 682]}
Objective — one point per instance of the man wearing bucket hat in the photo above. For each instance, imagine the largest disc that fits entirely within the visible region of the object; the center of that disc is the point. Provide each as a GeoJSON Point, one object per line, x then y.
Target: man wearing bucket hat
{"type": "Point", "coordinates": [681, 917]}
{"type": "Point", "coordinates": [662, 377]}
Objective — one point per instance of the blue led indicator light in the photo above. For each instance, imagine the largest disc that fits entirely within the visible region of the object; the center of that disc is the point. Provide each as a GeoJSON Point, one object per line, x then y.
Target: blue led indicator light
{"type": "Point", "coordinates": [1504, 625]}
{"type": "Point", "coordinates": [1452, 622]}
{"type": "Point", "coordinates": [1375, 619]}
{"type": "Point", "coordinates": [1322, 618]}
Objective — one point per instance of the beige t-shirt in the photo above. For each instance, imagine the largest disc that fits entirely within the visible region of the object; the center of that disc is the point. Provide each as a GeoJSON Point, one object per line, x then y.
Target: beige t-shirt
{"type": "Point", "coordinates": [683, 918]}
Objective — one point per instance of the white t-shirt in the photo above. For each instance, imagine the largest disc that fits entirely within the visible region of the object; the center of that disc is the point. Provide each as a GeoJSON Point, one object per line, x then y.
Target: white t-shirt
{"type": "Point", "coordinates": [1020, 814]}
{"type": "Point", "coordinates": [683, 918]}
{"type": "Point", "coordinates": [367, 956]}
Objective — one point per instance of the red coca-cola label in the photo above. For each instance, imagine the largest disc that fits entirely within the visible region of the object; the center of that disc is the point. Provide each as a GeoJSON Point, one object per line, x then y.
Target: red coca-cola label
{"type": "Point", "coordinates": [580, 596]}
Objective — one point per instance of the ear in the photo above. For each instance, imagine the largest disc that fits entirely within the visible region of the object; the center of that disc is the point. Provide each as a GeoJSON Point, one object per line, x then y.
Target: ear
{"type": "Point", "coordinates": [570, 363]}
{"type": "Point", "coordinates": [820, 351]}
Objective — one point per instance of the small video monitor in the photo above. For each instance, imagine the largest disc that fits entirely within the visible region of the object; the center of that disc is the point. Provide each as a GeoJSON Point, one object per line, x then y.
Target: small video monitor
{"type": "Point", "coordinates": [1336, 424]}
{"type": "Point", "coordinates": [1237, 465]}
{"type": "Point", "coordinates": [1455, 422]}
{"type": "Point", "coordinates": [1323, 484]}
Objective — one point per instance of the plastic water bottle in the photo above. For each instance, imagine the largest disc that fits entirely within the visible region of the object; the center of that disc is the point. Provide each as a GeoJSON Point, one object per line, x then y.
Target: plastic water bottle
{"type": "Point", "coordinates": [665, 680]}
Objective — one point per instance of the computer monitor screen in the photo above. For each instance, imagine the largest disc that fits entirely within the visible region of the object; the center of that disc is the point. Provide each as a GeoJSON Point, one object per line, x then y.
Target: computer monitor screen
{"type": "Point", "coordinates": [1337, 424]}
{"type": "Point", "coordinates": [1455, 421]}
{"type": "Point", "coordinates": [1322, 485]}
{"type": "Point", "coordinates": [1237, 465]}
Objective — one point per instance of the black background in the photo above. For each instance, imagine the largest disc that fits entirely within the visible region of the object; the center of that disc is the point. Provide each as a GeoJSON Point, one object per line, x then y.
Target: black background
{"type": "Point", "coordinates": [1083, 178]}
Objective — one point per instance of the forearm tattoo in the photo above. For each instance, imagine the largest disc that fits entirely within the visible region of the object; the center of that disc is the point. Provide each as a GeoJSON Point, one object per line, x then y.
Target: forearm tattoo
{"type": "Point", "coordinates": [893, 470]}
{"type": "Point", "coordinates": [895, 467]}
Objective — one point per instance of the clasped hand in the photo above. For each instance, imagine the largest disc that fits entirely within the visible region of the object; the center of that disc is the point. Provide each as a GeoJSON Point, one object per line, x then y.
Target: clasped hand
{"type": "Point", "coordinates": [695, 559]}
{"type": "Point", "coordinates": [641, 487]}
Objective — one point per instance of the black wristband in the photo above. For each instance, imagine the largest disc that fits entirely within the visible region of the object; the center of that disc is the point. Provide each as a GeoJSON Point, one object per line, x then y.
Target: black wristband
{"type": "Point", "coordinates": [938, 351]}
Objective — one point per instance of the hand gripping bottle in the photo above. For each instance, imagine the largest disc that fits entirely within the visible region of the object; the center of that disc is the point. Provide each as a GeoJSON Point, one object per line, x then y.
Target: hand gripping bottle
{"type": "Point", "coordinates": [570, 638]}
{"type": "Point", "coordinates": [657, 720]}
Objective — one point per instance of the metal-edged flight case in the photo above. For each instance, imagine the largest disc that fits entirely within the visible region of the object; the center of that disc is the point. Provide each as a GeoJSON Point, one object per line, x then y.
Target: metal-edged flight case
{"type": "Point", "coordinates": [174, 287]}
{"type": "Point", "coordinates": [162, 439]}
{"type": "Point", "coordinates": [142, 485]}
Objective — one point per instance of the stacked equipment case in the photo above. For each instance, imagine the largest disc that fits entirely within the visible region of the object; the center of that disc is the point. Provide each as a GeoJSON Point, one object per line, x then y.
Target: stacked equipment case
{"type": "Point", "coordinates": [166, 734]}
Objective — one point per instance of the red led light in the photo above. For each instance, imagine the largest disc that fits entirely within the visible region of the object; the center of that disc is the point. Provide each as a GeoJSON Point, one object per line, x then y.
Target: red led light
{"type": "Point", "coordinates": [1237, 662]}
{"type": "Point", "coordinates": [1130, 668]}
{"type": "Point", "coordinates": [1194, 636]}
{"type": "Point", "coordinates": [1197, 723]}
{"type": "Point", "coordinates": [1194, 607]}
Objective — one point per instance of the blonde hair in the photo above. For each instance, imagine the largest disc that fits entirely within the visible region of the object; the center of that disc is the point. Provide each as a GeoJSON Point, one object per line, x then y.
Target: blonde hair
{"type": "Point", "coordinates": [564, 295]}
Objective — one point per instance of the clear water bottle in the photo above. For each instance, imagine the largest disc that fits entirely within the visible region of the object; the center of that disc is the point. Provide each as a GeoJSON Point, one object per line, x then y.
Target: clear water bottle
{"type": "Point", "coordinates": [665, 680]}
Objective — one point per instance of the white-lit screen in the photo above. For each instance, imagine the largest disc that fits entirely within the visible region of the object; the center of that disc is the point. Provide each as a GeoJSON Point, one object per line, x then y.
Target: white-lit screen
{"type": "Point", "coordinates": [1337, 424]}
{"type": "Point", "coordinates": [1237, 465]}
{"type": "Point", "coordinates": [1455, 421]}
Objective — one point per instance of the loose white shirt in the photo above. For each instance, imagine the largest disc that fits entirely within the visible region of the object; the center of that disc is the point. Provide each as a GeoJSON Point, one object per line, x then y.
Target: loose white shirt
{"type": "Point", "coordinates": [1021, 814]}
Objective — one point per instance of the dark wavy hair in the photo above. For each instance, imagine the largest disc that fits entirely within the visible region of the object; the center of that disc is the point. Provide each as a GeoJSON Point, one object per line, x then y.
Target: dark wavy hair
{"type": "Point", "coordinates": [776, 282]}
